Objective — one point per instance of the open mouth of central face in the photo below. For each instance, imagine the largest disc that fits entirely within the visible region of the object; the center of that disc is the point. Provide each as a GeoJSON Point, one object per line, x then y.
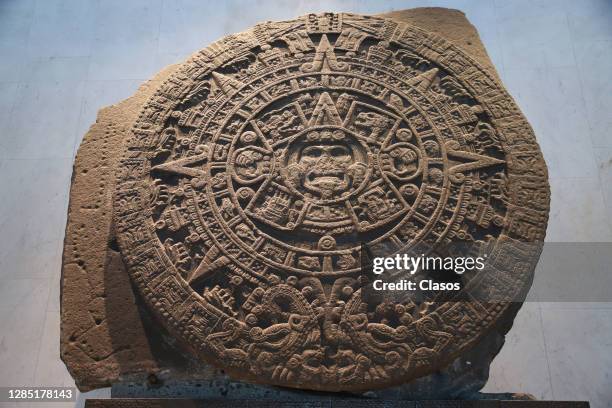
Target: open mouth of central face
{"type": "Point", "coordinates": [326, 180]}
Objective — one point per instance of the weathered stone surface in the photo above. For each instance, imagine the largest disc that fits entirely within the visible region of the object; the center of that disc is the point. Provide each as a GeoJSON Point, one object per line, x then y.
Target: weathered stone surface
{"type": "Point", "coordinates": [292, 321]}
{"type": "Point", "coordinates": [450, 24]}
{"type": "Point", "coordinates": [101, 335]}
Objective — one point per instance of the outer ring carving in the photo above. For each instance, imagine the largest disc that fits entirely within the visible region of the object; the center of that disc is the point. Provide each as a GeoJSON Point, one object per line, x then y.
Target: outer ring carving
{"type": "Point", "coordinates": [189, 316]}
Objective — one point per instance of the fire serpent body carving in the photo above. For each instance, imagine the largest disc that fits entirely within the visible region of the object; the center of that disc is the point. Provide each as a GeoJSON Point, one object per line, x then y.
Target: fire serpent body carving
{"type": "Point", "coordinates": [256, 171]}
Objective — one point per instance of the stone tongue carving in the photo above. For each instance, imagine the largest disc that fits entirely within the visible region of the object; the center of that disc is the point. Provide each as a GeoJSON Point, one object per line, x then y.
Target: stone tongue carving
{"type": "Point", "coordinates": [258, 168]}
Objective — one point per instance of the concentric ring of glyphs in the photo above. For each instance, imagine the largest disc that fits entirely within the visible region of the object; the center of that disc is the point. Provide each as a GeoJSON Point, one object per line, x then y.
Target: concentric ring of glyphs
{"type": "Point", "coordinates": [258, 169]}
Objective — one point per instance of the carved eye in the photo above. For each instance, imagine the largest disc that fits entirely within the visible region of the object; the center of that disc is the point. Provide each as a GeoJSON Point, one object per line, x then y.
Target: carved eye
{"type": "Point", "coordinates": [340, 151]}
{"type": "Point", "coordinates": [312, 152]}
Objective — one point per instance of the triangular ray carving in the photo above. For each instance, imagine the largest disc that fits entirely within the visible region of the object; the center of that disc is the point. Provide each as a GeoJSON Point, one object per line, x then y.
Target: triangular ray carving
{"type": "Point", "coordinates": [181, 166]}
{"type": "Point", "coordinates": [209, 265]}
{"type": "Point", "coordinates": [423, 81]}
{"type": "Point", "coordinates": [226, 84]}
{"type": "Point", "coordinates": [471, 161]}
{"type": "Point", "coordinates": [325, 112]}
{"type": "Point", "coordinates": [325, 59]}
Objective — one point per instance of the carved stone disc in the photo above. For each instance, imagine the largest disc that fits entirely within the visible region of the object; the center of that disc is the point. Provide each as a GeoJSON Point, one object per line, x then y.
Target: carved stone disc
{"type": "Point", "coordinates": [257, 171]}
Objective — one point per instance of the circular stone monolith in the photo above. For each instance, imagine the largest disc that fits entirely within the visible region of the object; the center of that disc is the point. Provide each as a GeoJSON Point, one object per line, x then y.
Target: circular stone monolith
{"type": "Point", "coordinates": [257, 173]}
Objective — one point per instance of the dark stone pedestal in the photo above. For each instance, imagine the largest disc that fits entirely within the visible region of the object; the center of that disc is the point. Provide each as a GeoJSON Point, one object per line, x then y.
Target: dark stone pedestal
{"type": "Point", "coordinates": [327, 403]}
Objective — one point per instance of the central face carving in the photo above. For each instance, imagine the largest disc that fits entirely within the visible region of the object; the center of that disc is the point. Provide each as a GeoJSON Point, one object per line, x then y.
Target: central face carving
{"type": "Point", "coordinates": [325, 164]}
{"type": "Point", "coordinates": [325, 168]}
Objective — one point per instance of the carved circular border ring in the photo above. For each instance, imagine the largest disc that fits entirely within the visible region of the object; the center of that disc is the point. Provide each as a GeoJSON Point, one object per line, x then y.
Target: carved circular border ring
{"type": "Point", "coordinates": [131, 209]}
